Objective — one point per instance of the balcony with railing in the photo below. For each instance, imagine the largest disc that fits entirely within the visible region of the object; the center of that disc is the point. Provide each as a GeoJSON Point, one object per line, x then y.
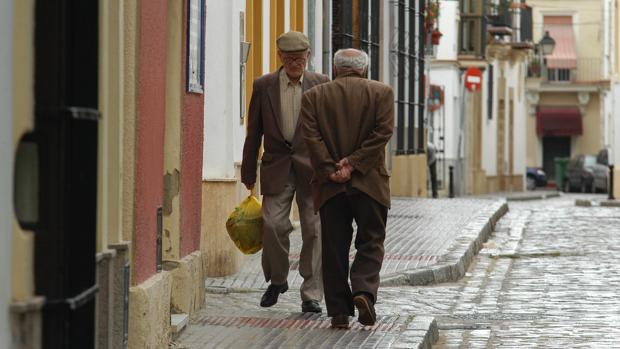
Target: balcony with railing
{"type": "Point", "coordinates": [587, 70]}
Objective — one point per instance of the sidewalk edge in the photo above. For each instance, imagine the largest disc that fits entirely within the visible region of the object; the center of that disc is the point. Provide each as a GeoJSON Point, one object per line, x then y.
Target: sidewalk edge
{"type": "Point", "coordinates": [455, 263]}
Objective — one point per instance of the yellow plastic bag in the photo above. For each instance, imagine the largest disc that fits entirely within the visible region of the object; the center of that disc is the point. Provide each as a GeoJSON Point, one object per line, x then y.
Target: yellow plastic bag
{"type": "Point", "coordinates": [245, 225]}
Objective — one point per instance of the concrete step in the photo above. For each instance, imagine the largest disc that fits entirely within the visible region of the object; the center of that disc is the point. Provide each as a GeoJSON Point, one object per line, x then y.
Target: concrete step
{"type": "Point", "coordinates": [178, 323]}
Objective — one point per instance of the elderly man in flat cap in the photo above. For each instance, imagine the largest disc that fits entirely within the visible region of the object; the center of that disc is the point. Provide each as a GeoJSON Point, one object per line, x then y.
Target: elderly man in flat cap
{"type": "Point", "coordinates": [285, 171]}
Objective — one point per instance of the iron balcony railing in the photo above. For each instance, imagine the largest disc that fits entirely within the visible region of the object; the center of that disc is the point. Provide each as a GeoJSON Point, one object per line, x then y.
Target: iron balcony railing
{"type": "Point", "coordinates": [587, 70]}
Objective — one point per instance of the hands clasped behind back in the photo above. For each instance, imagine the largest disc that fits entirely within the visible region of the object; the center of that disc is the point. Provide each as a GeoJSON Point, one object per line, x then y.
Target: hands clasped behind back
{"type": "Point", "coordinates": [343, 171]}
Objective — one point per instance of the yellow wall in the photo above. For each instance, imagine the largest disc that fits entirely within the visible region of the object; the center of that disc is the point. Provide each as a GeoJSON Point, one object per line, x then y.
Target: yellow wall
{"type": "Point", "coordinates": [172, 140]}
{"type": "Point", "coordinates": [297, 15]}
{"type": "Point", "coordinates": [276, 27]}
{"type": "Point", "coordinates": [23, 98]}
{"type": "Point", "coordinates": [254, 35]}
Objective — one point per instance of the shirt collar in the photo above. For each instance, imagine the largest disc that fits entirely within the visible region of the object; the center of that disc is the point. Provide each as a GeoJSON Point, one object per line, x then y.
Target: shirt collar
{"type": "Point", "coordinates": [285, 79]}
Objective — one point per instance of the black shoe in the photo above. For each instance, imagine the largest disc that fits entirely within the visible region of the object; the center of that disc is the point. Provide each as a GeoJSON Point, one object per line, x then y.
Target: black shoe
{"type": "Point", "coordinates": [340, 321]}
{"type": "Point", "coordinates": [271, 295]}
{"type": "Point", "coordinates": [366, 310]}
{"type": "Point", "coordinates": [311, 306]}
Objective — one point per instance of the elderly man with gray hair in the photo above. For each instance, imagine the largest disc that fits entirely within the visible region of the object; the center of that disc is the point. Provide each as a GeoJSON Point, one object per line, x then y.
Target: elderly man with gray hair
{"type": "Point", "coordinates": [347, 124]}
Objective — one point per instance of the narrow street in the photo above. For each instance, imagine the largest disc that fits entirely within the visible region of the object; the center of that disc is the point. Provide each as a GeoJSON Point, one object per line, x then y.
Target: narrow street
{"type": "Point", "coordinates": [547, 278]}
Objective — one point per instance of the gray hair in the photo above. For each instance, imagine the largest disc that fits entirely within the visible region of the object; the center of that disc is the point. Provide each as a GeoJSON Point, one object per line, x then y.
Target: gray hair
{"type": "Point", "coordinates": [350, 58]}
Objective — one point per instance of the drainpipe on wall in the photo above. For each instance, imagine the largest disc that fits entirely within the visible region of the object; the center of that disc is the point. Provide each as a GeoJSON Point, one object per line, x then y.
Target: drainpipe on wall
{"type": "Point", "coordinates": [312, 33]}
{"type": "Point", "coordinates": [327, 40]}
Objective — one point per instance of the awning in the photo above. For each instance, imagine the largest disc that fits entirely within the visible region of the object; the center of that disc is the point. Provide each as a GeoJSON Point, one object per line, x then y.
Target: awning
{"type": "Point", "coordinates": [558, 121]}
{"type": "Point", "coordinates": [564, 55]}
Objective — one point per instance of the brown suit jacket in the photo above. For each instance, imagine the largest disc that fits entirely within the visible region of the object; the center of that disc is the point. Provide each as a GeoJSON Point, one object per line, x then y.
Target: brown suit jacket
{"type": "Point", "coordinates": [350, 117]}
{"type": "Point", "coordinates": [264, 119]}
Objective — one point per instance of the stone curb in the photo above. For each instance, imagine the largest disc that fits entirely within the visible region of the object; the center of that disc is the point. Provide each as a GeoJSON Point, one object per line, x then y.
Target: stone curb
{"type": "Point", "coordinates": [592, 203]}
{"type": "Point", "coordinates": [537, 196]}
{"type": "Point", "coordinates": [454, 264]}
{"type": "Point", "coordinates": [422, 333]}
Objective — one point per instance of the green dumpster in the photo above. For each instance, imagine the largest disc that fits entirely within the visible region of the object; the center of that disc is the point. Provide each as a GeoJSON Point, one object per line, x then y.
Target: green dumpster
{"type": "Point", "coordinates": [560, 172]}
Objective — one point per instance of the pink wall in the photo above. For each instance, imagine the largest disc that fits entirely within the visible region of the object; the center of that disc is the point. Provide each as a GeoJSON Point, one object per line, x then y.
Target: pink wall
{"type": "Point", "coordinates": [150, 123]}
{"type": "Point", "coordinates": [191, 161]}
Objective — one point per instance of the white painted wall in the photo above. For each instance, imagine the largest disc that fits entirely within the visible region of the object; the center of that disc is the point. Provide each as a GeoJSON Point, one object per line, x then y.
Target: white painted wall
{"type": "Point", "coordinates": [6, 170]}
{"type": "Point", "coordinates": [223, 130]}
{"type": "Point", "coordinates": [448, 26]}
{"type": "Point", "coordinates": [444, 72]}
{"type": "Point", "coordinates": [520, 121]}
{"type": "Point", "coordinates": [447, 75]}
{"type": "Point", "coordinates": [515, 81]}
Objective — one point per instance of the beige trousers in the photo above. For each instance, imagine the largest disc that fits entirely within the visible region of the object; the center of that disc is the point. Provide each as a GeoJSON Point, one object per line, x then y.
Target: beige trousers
{"type": "Point", "coordinates": [276, 243]}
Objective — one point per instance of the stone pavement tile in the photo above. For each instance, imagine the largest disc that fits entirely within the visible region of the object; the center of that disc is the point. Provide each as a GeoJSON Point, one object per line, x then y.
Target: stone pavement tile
{"type": "Point", "coordinates": [235, 320]}
{"type": "Point", "coordinates": [434, 238]}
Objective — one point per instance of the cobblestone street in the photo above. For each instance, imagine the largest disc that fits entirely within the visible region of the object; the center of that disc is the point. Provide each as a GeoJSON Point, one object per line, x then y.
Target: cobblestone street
{"type": "Point", "coordinates": [547, 278]}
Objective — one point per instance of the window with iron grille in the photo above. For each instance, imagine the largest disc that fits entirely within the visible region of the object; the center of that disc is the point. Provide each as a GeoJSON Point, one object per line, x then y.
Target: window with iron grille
{"type": "Point", "coordinates": [471, 33]}
{"type": "Point", "coordinates": [407, 59]}
{"type": "Point", "coordinates": [558, 75]}
{"type": "Point", "coordinates": [356, 24]}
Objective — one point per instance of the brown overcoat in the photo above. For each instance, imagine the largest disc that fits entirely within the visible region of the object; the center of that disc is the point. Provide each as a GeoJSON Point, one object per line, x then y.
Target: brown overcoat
{"type": "Point", "coordinates": [350, 117]}
{"type": "Point", "coordinates": [264, 119]}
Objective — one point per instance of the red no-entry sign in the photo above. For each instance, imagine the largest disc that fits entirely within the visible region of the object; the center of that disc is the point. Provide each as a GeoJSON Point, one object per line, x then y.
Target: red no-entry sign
{"type": "Point", "coordinates": [473, 79]}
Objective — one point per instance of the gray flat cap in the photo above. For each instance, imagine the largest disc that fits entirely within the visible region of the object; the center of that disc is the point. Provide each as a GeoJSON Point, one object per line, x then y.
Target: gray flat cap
{"type": "Point", "coordinates": [293, 41]}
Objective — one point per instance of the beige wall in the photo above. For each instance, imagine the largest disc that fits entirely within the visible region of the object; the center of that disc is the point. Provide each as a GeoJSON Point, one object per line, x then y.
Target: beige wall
{"type": "Point", "coordinates": [129, 119]}
{"type": "Point", "coordinates": [221, 256]}
{"type": "Point", "coordinates": [111, 98]}
{"type": "Point", "coordinates": [533, 147]}
{"type": "Point", "coordinates": [409, 176]}
{"type": "Point", "coordinates": [617, 182]}
{"type": "Point", "coordinates": [172, 141]}
{"type": "Point", "coordinates": [590, 142]}
{"type": "Point", "coordinates": [589, 37]}
{"type": "Point", "coordinates": [23, 92]}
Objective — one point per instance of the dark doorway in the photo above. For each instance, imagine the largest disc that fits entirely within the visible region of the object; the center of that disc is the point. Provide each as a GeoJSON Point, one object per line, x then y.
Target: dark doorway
{"type": "Point", "coordinates": [66, 129]}
{"type": "Point", "coordinates": [554, 147]}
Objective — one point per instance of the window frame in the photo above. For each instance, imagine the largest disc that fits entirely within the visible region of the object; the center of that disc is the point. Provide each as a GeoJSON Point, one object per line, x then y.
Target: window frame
{"type": "Point", "coordinates": [195, 82]}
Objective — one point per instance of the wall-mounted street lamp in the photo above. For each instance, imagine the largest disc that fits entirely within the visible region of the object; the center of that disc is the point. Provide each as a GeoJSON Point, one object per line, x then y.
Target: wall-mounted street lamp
{"type": "Point", "coordinates": [545, 47]}
{"type": "Point", "coordinates": [244, 51]}
{"type": "Point", "coordinates": [547, 44]}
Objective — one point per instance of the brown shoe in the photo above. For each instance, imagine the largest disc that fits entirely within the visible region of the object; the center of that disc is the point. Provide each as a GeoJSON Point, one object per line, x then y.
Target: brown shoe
{"type": "Point", "coordinates": [340, 321]}
{"type": "Point", "coordinates": [366, 310]}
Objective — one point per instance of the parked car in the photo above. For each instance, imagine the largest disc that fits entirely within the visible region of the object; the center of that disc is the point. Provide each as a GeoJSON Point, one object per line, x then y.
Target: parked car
{"type": "Point", "coordinates": [579, 174]}
{"type": "Point", "coordinates": [600, 171]}
{"type": "Point", "coordinates": [535, 177]}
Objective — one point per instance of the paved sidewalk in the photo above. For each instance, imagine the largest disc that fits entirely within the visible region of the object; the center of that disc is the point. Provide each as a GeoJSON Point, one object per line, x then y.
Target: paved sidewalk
{"type": "Point", "coordinates": [427, 241]}
{"type": "Point", "coordinates": [421, 233]}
